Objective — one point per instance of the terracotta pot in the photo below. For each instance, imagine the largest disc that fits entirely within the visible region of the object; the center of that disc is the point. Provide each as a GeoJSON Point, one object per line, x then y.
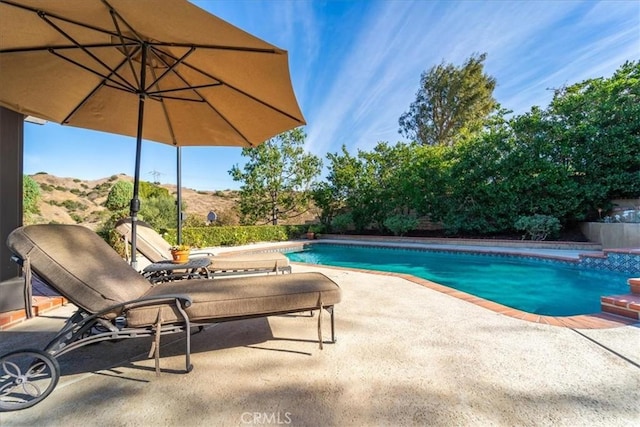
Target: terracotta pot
{"type": "Point", "coordinates": [180, 257]}
{"type": "Point", "coordinates": [311, 235]}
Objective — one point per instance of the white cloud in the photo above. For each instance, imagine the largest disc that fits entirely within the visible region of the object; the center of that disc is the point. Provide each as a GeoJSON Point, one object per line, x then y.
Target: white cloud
{"type": "Point", "coordinates": [531, 46]}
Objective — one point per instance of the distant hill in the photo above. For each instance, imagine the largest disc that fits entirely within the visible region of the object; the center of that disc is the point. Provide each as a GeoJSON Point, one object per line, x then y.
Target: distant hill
{"type": "Point", "coordinates": [73, 201]}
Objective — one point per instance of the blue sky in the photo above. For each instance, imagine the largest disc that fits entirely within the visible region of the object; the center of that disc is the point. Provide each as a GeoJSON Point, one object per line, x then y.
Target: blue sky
{"type": "Point", "coordinates": [356, 65]}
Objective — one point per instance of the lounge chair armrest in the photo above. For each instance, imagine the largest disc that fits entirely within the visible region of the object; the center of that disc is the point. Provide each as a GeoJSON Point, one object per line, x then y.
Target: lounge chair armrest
{"type": "Point", "coordinates": [154, 300]}
{"type": "Point", "coordinates": [201, 253]}
{"type": "Point", "coordinates": [158, 299]}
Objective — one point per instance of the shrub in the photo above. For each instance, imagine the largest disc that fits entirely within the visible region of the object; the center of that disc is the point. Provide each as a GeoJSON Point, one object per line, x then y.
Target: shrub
{"type": "Point", "coordinates": [317, 228]}
{"type": "Point", "coordinates": [538, 227]}
{"type": "Point", "coordinates": [400, 224]}
{"type": "Point", "coordinates": [109, 234]}
{"type": "Point", "coordinates": [193, 220]}
{"type": "Point", "coordinates": [227, 217]}
{"type": "Point", "coordinates": [119, 196]}
{"type": "Point", "coordinates": [149, 190]}
{"type": "Point", "coordinates": [235, 235]}
{"type": "Point", "coordinates": [341, 223]}
{"type": "Point", "coordinates": [30, 195]}
{"type": "Point", "coordinates": [160, 212]}
{"type": "Point", "coordinates": [72, 205]}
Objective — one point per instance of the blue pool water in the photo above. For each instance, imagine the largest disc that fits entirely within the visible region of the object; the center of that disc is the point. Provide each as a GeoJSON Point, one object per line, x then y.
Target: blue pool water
{"type": "Point", "coordinates": [547, 288]}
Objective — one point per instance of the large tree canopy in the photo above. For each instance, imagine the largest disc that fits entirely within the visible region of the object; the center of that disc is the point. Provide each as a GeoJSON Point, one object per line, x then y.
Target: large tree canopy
{"type": "Point", "coordinates": [276, 179]}
{"type": "Point", "coordinates": [451, 101]}
{"type": "Point", "coordinates": [564, 162]}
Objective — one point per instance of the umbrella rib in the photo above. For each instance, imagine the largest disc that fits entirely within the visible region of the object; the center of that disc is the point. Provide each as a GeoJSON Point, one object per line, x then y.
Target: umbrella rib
{"type": "Point", "coordinates": [179, 89]}
{"type": "Point", "coordinates": [60, 18]}
{"type": "Point", "coordinates": [166, 116]}
{"type": "Point", "coordinates": [121, 37]}
{"type": "Point", "coordinates": [105, 80]}
{"type": "Point", "coordinates": [105, 77]}
{"type": "Point", "coordinates": [227, 121]}
{"type": "Point", "coordinates": [47, 48]}
{"type": "Point", "coordinates": [236, 130]}
{"type": "Point", "coordinates": [170, 67]}
{"type": "Point", "coordinates": [44, 17]}
{"type": "Point", "coordinates": [248, 95]}
{"type": "Point", "coordinates": [219, 47]}
{"type": "Point", "coordinates": [104, 31]}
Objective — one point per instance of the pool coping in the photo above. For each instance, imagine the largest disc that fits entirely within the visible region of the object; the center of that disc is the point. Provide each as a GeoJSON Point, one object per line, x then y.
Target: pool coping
{"type": "Point", "coordinates": [583, 321]}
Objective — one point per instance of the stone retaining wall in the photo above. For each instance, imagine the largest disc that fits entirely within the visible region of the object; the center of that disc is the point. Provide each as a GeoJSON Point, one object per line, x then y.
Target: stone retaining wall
{"type": "Point", "coordinates": [616, 235]}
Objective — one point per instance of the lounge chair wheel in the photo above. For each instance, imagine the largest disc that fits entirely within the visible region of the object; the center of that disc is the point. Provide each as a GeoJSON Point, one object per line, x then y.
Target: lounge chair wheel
{"type": "Point", "coordinates": [26, 378]}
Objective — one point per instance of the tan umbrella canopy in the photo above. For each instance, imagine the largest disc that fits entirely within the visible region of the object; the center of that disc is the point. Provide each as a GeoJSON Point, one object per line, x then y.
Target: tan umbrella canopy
{"type": "Point", "coordinates": [162, 71]}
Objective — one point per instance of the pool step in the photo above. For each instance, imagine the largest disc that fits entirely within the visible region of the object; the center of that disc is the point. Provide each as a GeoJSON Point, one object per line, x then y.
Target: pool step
{"type": "Point", "coordinates": [627, 305]}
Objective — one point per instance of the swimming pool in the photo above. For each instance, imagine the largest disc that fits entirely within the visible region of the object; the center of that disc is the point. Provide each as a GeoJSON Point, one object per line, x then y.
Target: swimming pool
{"type": "Point", "coordinates": [541, 287]}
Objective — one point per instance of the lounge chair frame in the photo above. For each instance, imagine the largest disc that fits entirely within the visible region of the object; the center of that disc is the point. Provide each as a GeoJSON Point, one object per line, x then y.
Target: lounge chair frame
{"type": "Point", "coordinates": [28, 376]}
{"type": "Point", "coordinates": [84, 328]}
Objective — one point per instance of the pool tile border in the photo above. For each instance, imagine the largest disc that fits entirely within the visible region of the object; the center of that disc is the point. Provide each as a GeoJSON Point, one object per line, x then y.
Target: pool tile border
{"type": "Point", "coordinates": [583, 321]}
{"type": "Point", "coordinates": [613, 260]}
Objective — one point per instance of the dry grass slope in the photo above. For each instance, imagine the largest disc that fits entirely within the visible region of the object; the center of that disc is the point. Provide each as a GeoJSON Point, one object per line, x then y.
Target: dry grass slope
{"type": "Point", "coordinates": [72, 201]}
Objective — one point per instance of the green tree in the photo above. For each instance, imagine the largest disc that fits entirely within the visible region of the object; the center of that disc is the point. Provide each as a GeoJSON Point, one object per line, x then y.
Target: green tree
{"type": "Point", "coordinates": [159, 212]}
{"type": "Point", "coordinates": [370, 186]}
{"type": "Point", "coordinates": [424, 180]}
{"type": "Point", "coordinates": [276, 179]}
{"type": "Point", "coordinates": [451, 101]}
{"type": "Point", "coordinates": [380, 192]}
{"type": "Point", "coordinates": [157, 206]}
{"type": "Point", "coordinates": [335, 195]}
{"type": "Point", "coordinates": [597, 124]}
{"type": "Point", "coordinates": [30, 196]}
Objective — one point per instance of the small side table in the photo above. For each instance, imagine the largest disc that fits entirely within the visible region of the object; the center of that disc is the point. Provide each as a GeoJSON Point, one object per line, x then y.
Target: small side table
{"type": "Point", "coordinates": [166, 271]}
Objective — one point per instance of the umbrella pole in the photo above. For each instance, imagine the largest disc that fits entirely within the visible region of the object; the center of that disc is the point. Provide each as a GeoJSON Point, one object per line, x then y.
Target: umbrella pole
{"type": "Point", "coordinates": [135, 201]}
{"type": "Point", "coordinates": [179, 193]}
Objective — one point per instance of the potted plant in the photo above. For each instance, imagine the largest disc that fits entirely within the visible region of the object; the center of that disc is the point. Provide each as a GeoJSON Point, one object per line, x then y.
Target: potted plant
{"type": "Point", "coordinates": [314, 231]}
{"type": "Point", "coordinates": [180, 253]}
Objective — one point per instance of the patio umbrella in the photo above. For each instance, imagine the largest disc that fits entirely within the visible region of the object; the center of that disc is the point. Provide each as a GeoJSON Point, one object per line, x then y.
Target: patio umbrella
{"type": "Point", "coordinates": [161, 71]}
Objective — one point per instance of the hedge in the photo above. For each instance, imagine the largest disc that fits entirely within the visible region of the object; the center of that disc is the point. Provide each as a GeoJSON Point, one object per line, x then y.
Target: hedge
{"type": "Point", "coordinates": [203, 237]}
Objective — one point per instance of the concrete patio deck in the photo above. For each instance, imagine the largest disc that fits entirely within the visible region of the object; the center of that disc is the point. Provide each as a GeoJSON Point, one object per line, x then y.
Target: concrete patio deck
{"type": "Point", "coordinates": [406, 355]}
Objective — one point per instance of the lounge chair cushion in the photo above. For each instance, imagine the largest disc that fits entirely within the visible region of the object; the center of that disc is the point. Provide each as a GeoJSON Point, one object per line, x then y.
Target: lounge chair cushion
{"type": "Point", "coordinates": [82, 266]}
{"type": "Point", "coordinates": [268, 261]}
{"type": "Point", "coordinates": [240, 297]}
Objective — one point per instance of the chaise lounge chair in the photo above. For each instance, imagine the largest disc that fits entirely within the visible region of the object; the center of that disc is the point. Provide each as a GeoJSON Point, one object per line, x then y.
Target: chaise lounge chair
{"type": "Point", "coordinates": [153, 246]}
{"type": "Point", "coordinates": [115, 302]}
